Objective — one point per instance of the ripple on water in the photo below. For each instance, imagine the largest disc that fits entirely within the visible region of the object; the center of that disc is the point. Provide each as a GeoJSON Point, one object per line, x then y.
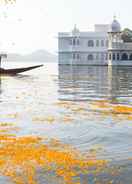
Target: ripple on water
{"type": "Point", "coordinates": [89, 108]}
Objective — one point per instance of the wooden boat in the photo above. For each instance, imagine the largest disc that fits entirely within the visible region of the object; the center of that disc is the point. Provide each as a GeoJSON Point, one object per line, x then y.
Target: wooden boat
{"type": "Point", "coordinates": [17, 70]}
{"type": "Point", "coordinates": [14, 71]}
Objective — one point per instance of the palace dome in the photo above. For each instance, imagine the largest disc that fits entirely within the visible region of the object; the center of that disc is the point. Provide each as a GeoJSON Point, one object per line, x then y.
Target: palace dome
{"type": "Point", "coordinates": [115, 26]}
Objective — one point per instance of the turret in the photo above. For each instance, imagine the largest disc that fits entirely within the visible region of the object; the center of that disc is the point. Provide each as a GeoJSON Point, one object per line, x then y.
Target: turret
{"type": "Point", "coordinates": [114, 41]}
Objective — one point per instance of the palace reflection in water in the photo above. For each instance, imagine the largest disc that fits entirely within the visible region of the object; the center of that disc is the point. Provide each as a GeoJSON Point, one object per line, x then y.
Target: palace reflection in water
{"type": "Point", "coordinates": [86, 82]}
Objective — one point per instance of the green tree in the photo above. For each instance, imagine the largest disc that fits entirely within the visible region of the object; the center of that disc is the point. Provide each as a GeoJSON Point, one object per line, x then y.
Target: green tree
{"type": "Point", "coordinates": [127, 35]}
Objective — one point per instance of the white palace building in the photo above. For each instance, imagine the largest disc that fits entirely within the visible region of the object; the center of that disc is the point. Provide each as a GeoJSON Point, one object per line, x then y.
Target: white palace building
{"type": "Point", "coordinates": [103, 46]}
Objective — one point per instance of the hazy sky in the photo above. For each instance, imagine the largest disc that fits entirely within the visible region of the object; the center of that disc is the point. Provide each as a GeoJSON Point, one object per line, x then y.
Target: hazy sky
{"type": "Point", "coordinates": [28, 25]}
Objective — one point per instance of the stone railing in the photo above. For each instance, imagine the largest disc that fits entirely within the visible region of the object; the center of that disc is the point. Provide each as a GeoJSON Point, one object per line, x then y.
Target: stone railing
{"type": "Point", "coordinates": [121, 46]}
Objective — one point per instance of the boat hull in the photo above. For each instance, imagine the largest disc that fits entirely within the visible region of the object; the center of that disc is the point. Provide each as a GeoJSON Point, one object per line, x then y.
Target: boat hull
{"type": "Point", "coordinates": [17, 70]}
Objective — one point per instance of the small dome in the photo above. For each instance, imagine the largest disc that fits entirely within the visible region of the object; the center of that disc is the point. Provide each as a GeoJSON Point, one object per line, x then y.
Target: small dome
{"type": "Point", "coordinates": [115, 26]}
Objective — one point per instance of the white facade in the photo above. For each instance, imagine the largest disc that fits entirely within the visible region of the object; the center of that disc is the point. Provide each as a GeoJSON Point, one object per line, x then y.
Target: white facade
{"type": "Point", "coordinates": [84, 48]}
{"type": "Point", "coordinates": [103, 46]}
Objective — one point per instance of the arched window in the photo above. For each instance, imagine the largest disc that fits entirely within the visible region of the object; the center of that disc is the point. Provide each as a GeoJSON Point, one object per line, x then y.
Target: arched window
{"type": "Point", "coordinates": [124, 56]}
{"type": "Point", "coordinates": [74, 56]}
{"type": "Point", "coordinates": [97, 43]}
{"type": "Point", "coordinates": [118, 56]}
{"type": "Point", "coordinates": [90, 57]}
{"type": "Point", "coordinates": [102, 43]}
{"type": "Point", "coordinates": [109, 56]}
{"type": "Point", "coordinates": [90, 43]}
{"type": "Point", "coordinates": [130, 58]}
{"type": "Point", "coordinates": [106, 56]}
{"type": "Point", "coordinates": [114, 57]}
{"type": "Point", "coordinates": [78, 42]}
{"type": "Point", "coordinates": [74, 41]}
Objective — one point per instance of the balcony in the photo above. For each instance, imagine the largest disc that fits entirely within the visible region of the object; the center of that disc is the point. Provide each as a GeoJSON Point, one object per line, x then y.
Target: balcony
{"type": "Point", "coordinates": [120, 46]}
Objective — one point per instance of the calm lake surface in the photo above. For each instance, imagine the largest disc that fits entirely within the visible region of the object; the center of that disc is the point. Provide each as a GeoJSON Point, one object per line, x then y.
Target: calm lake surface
{"type": "Point", "coordinates": [66, 125]}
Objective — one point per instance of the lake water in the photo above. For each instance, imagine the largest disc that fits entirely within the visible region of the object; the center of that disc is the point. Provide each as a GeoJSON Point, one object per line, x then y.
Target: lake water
{"type": "Point", "coordinates": [66, 125]}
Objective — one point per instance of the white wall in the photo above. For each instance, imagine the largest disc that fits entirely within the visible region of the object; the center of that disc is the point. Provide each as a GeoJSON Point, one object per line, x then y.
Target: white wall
{"type": "Point", "coordinates": [66, 48]}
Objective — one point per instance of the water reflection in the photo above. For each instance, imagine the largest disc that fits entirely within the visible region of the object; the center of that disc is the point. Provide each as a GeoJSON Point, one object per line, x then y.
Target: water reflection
{"type": "Point", "coordinates": [87, 82]}
{"type": "Point", "coordinates": [120, 81]}
{"type": "Point", "coordinates": [46, 140]}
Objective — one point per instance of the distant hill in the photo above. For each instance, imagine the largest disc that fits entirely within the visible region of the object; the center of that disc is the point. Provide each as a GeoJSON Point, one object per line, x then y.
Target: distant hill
{"type": "Point", "coordinates": [39, 55]}
{"type": "Point", "coordinates": [127, 35]}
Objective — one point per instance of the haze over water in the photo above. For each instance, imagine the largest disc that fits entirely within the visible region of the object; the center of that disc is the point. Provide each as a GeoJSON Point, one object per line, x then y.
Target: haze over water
{"type": "Point", "coordinates": [66, 125]}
